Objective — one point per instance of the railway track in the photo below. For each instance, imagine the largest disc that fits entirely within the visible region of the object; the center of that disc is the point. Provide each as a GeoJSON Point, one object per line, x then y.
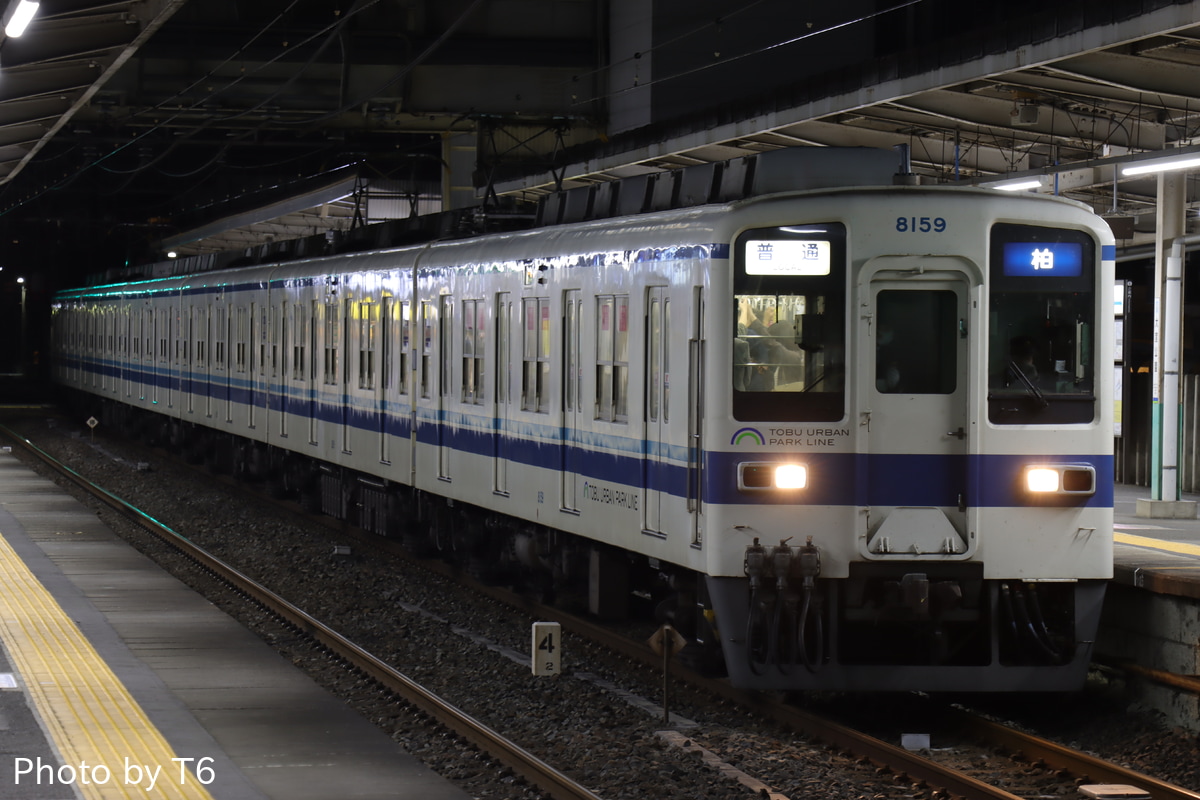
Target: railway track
{"type": "Point", "coordinates": [1082, 767]}
{"type": "Point", "coordinates": [939, 779]}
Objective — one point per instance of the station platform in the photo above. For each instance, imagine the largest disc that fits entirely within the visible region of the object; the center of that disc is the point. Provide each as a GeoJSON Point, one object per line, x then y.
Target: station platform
{"type": "Point", "coordinates": [118, 681]}
{"type": "Point", "coordinates": [1150, 626]}
{"type": "Point", "coordinates": [1159, 555]}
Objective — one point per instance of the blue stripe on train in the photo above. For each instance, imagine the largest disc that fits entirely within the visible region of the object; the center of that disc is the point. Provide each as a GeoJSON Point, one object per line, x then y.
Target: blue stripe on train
{"type": "Point", "coordinates": [910, 479]}
{"type": "Point", "coordinates": [835, 479]}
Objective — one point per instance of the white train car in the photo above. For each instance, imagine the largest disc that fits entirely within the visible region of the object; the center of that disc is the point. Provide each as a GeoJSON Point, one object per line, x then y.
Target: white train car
{"type": "Point", "coordinates": [851, 438]}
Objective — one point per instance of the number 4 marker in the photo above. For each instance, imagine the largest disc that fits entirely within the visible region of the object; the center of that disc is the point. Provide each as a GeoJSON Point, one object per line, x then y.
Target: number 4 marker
{"type": "Point", "coordinates": [547, 648]}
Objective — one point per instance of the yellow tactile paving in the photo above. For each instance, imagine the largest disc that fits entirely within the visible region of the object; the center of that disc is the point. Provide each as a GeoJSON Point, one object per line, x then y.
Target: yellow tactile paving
{"type": "Point", "coordinates": [100, 731]}
{"type": "Point", "coordinates": [1158, 544]}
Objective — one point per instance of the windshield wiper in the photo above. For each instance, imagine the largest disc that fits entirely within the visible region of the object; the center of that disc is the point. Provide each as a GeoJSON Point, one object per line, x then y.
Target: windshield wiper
{"type": "Point", "coordinates": [1029, 385]}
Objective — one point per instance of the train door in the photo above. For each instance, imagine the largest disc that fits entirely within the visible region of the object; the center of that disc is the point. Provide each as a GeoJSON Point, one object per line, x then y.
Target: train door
{"type": "Point", "coordinates": [299, 391]}
{"type": "Point", "coordinates": [144, 350]}
{"type": "Point", "coordinates": [274, 387]}
{"type": "Point", "coordinates": [256, 337]}
{"type": "Point", "coordinates": [161, 334]}
{"type": "Point", "coordinates": [344, 310]}
{"type": "Point", "coordinates": [190, 357]}
{"type": "Point", "coordinates": [387, 332]}
{"type": "Point", "coordinates": [283, 373]}
{"type": "Point", "coordinates": [236, 357]}
{"type": "Point", "coordinates": [445, 388]}
{"type": "Point", "coordinates": [316, 329]}
{"type": "Point", "coordinates": [572, 378]}
{"type": "Point", "coordinates": [128, 363]}
{"type": "Point", "coordinates": [695, 421]}
{"type": "Point", "coordinates": [503, 383]}
{"type": "Point", "coordinates": [424, 321]}
{"type": "Point", "coordinates": [107, 380]}
{"type": "Point", "coordinates": [655, 465]}
{"type": "Point", "coordinates": [918, 427]}
{"type": "Point", "coordinates": [206, 357]}
{"type": "Point", "coordinates": [174, 370]}
{"type": "Point", "coordinates": [365, 321]}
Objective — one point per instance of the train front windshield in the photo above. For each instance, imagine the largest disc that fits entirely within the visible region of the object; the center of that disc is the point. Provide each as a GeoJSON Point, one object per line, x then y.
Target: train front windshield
{"type": "Point", "coordinates": [789, 337]}
{"type": "Point", "coordinates": [1041, 309]}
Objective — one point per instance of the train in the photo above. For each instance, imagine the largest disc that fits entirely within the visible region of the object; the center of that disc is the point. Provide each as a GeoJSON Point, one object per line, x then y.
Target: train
{"type": "Point", "coordinates": [842, 430]}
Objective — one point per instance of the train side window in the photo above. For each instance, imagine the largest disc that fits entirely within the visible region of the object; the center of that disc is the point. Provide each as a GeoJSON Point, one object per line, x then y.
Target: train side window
{"type": "Point", "coordinates": [183, 338]}
{"type": "Point", "coordinates": [427, 321]}
{"type": "Point", "coordinates": [300, 332]}
{"type": "Point", "coordinates": [473, 351]}
{"type": "Point", "coordinates": [367, 315]}
{"type": "Point", "coordinates": [468, 354]}
{"type": "Point", "coordinates": [653, 352]}
{"type": "Point", "coordinates": [535, 373]}
{"type": "Point", "coordinates": [345, 332]}
{"type": "Point", "coordinates": [788, 343]}
{"type": "Point", "coordinates": [162, 328]}
{"type": "Point", "coordinates": [200, 334]}
{"type": "Point", "coordinates": [315, 328]}
{"type": "Point", "coordinates": [666, 361]}
{"type": "Point", "coordinates": [447, 346]}
{"type": "Point", "coordinates": [278, 331]}
{"type": "Point", "coordinates": [240, 334]}
{"type": "Point", "coordinates": [405, 343]}
{"type": "Point", "coordinates": [612, 358]}
{"type": "Point", "coordinates": [331, 343]}
{"type": "Point", "coordinates": [280, 348]}
{"type": "Point", "coordinates": [264, 334]}
{"type": "Point", "coordinates": [387, 322]}
{"type": "Point", "coordinates": [503, 354]}
{"type": "Point", "coordinates": [271, 328]}
{"type": "Point", "coordinates": [572, 306]}
{"type": "Point", "coordinates": [219, 355]}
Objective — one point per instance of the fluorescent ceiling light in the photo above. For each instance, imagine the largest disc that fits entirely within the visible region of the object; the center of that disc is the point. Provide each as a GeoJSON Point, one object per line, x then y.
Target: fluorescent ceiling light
{"type": "Point", "coordinates": [1162, 164]}
{"type": "Point", "coordinates": [1018, 184]}
{"type": "Point", "coordinates": [18, 16]}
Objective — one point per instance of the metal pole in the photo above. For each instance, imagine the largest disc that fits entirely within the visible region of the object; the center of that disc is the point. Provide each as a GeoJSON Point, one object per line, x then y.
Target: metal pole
{"type": "Point", "coordinates": [1168, 268]}
{"type": "Point", "coordinates": [668, 645]}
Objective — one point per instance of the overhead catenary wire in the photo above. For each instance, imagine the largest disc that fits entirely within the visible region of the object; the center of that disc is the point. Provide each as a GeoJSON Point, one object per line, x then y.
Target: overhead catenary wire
{"type": "Point", "coordinates": [359, 7]}
{"type": "Point", "coordinates": [720, 62]}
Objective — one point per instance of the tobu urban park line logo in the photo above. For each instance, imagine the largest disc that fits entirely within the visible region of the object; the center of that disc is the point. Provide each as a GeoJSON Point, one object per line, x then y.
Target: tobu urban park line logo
{"type": "Point", "coordinates": [747, 436]}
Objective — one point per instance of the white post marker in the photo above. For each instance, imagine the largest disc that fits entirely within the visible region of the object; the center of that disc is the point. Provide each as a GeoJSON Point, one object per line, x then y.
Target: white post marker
{"type": "Point", "coordinates": [547, 648]}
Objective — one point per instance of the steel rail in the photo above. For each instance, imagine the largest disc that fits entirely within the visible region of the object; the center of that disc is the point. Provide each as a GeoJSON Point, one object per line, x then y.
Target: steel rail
{"type": "Point", "coordinates": [1056, 756]}
{"type": "Point", "coordinates": [882, 754]}
{"type": "Point", "coordinates": [1188, 683]}
{"type": "Point", "coordinates": [886, 756]}
{"type": "Point", "coordinates": [525, 764]}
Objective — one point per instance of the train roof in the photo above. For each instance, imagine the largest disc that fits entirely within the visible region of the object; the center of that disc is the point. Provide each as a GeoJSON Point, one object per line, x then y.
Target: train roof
{"type": "Point", "coordinates": [692, 193]}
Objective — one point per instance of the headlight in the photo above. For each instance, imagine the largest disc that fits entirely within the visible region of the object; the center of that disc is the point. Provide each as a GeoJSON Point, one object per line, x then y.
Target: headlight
{"type": "Point", "coordinates": [1068, 479]}
{"type": "Point", "coordinates": [765, 476]}
{"type": "Point", "coordinates": [1041, 479]}
{"type": "Point", "coordinates": [791, 476]}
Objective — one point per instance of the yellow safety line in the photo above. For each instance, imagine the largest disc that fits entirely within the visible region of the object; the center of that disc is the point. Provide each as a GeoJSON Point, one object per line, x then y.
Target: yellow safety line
{"type": "Point", "coordinates": [91, 717]}
{"type": "Point", "coordinates": [1157, 544]}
